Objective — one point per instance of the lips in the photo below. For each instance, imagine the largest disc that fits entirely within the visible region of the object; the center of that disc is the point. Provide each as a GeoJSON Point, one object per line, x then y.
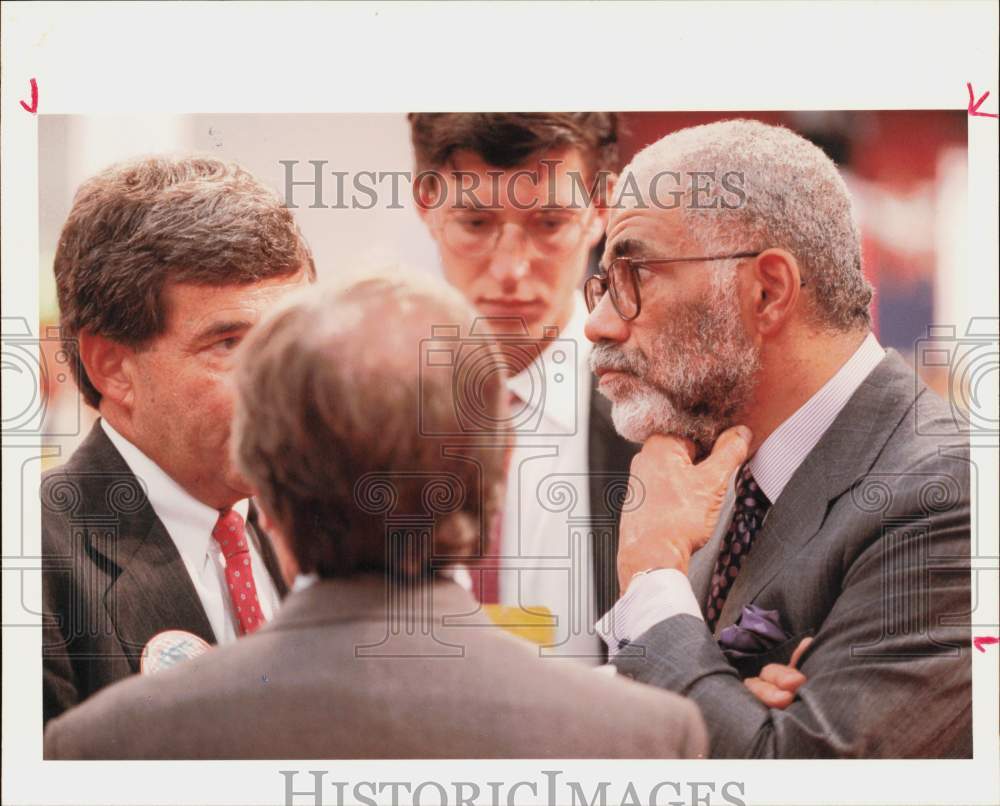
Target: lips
{"type": "Point", "coordinates": [615, 383]}
{"type": "Point", "coordinates": [609, 375]}
{"type": "Point", "coordinates": [525, 309]}
{"type": "Point", "coordinates": [603, 369]}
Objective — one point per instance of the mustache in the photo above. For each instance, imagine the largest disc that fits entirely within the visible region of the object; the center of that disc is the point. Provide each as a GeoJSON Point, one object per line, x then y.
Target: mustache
{"type": "Point", "coordinates": [604, 356]}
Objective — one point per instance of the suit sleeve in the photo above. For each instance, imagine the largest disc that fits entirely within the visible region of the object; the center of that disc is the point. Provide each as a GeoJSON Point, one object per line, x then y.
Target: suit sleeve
{"type": "Point", "coordinates": [51, 744]}
{"type": "Point", "coordinates": [59, 685]}
{"type": "Point", "coordinates": [888, 675]}
{"type": "Point", "coordinates": [59, 692]}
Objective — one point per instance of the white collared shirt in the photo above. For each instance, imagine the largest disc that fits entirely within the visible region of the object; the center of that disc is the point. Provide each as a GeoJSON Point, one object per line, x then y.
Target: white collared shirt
{"type": "Point", "coordinates": [189, 523]}
{"type": "Point", "coordinates": [546, 516]}
{"type": "Point", "coordinates": [658, 595]}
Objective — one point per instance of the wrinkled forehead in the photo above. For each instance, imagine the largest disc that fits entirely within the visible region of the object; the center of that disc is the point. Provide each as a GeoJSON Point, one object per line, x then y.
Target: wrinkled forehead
{"type": "Point", "coordinates": [557, 178]}
{"type": "Point", "coordinates": [190, 306]}
{"type": "Point", "coordinates": [647, 231]}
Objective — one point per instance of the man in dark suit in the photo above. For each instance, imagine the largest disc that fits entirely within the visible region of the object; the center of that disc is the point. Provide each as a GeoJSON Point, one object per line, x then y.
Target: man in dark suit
{"type": "Point", "coordinates": [162, 267]}
{"type": "Point", "coordinates": [516, 204]}
{"type": "Point", "coordinates": [377, 652]}
{"type": "Point", "coordinates": [832, 501]}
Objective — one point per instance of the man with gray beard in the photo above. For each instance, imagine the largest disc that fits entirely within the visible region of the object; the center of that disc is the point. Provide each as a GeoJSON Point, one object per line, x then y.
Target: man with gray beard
{"type": "Point", "coordinates": [706, 367]}
{"type": "Point", "coordinates": [801, 487]}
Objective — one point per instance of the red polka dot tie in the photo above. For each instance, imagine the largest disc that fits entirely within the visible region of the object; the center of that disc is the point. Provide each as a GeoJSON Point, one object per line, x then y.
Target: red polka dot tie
{"type": "Point", "coordinates": [231, 537]}
{"type": "Point", "coordinates": [748, 515]}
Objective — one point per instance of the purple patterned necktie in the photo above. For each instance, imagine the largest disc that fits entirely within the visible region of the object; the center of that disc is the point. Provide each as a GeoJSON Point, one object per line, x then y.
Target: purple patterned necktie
{"type": "Point", "coordinates": [748, 515]}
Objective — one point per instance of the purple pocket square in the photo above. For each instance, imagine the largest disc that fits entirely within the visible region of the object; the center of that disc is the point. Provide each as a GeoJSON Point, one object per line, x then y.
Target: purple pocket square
{"type": "Point", "coordinates": [756, 631]}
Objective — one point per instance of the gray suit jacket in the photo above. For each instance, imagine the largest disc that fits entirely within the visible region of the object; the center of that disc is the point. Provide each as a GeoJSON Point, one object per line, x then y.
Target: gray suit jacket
{"type": "Point", "coordinates": [111, 575]}
{"type": "Point", "coordinates": [868, 548]}
{"type": "Point", "coordinates": [333, 677]}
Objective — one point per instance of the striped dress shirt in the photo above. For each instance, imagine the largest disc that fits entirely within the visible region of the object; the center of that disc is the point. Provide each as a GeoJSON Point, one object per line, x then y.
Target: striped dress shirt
{"type": "Point", "coordinates": [658, 595]}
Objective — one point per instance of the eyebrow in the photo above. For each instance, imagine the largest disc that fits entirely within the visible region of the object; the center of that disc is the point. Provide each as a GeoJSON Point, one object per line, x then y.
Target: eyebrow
{"type": "Point", "coordinates": [626, 247]}
{"type": "Point", "coordinates": [472, 206]}
{"type": "Point", "coordinates": [223, 328]}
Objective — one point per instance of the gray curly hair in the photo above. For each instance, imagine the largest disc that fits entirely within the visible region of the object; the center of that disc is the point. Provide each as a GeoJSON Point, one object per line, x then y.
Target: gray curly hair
{"type": "Point", "coordinates": [795, 199]}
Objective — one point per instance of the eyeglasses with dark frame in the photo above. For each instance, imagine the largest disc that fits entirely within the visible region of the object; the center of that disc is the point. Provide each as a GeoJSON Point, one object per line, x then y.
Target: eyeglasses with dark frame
{"type": "Point", "coordinates": [622, 280]}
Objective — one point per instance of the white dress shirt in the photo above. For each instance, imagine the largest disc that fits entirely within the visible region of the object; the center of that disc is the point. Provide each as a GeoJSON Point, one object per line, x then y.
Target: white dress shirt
{"type": "Point", "coordinates": [658, 595]}
{"type": "Point", "coordinates": [545, 536]}
{"type": "Point", "coordinates": [189, 524]}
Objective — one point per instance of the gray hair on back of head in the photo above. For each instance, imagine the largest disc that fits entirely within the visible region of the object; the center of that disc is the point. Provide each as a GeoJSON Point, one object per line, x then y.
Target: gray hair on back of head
{"type": "Point", "coordinates": [340, 427]}
{"type": "Point", "coordinates": [795, 199]}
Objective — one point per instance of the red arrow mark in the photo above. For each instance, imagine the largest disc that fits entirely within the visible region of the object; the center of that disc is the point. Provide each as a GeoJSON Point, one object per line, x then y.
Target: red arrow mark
{"type": "Point", "coordinates": [974, 108]}
{"type": "Point", "coordinates": [980, 642]}
{"type": "Point", "coordinates": [33, 109]}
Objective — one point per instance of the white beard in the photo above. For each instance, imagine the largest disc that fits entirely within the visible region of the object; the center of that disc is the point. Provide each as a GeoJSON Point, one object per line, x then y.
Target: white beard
{"type": "Point", "coordinates": [701, 371]}
{"type": "Point", "coordinates": [635, 417]}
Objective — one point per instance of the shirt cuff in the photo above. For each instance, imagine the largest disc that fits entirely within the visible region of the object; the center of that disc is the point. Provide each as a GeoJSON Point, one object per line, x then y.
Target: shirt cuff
{"type": "Point", "coordinates": [650, 599]}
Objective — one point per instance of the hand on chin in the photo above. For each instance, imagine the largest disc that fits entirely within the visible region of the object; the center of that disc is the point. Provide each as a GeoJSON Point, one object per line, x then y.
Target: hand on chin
{"type": "Point", "coordinates": [680, 501]}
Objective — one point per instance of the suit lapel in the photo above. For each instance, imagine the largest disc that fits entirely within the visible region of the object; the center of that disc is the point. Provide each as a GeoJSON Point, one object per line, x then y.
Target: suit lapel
{"type": "Point", "coordinates": [703, 561]}
{"type": "Point", "coordinates": [609, 459]}
{"type": "Point", "coordinates": [150, 589]}
{"type": "Point", "coordinates": [267, 552]}
{"type": "Point", "coordinates": [844, 454]}
{"type": "Point", "coordinates": [153, 592]}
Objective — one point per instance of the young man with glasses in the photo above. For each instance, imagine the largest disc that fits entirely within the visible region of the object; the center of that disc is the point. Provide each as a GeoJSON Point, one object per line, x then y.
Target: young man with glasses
{"type": "Point", "coordinates": [513, 202]}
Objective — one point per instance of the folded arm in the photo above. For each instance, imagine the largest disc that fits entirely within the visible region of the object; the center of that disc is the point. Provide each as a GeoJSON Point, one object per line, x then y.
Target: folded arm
{"type": "Point", "coordinates": [885, 676]}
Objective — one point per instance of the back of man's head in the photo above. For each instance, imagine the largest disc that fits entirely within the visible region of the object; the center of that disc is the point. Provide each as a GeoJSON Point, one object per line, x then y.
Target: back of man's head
{"type": "Point", "coordinates": [349, 437]}
{"type": "Point", "coordinates": [138, 226]}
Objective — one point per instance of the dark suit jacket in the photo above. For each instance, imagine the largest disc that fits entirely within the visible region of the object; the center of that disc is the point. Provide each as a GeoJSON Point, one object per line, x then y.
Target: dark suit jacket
{"type": "Point", "coordinates": [332, 676]}
{"type": "Point", "coordinates": [610, 458]}
{"type": "Point", "coordinates": [111, 576]}
{"type": "Point", "coordinates": [868, 547]}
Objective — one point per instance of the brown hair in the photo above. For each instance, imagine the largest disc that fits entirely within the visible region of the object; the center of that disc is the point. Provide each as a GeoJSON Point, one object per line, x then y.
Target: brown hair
{"type": "Point", "coordinates": [140, 225]}
{"type": "Point", "coordinates": [508, 139]}
{"type": "Point", "coordinates": [350, 441]}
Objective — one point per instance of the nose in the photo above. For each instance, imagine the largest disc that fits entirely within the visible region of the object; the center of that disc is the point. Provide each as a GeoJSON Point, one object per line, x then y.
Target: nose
{"type": "Point", "coordinates": [510, 262]}
{"type": "Point", "coordinates": [604, 323]}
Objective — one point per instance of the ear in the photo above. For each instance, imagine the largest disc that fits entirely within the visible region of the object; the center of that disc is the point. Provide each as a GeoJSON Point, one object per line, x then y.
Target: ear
{"type": "Point", "coordinates": [775, 290]}
{"type": "Point", "coordinates": [428, 188]}
{"type": "Point", "coordinates": [109, 365]}
{"type": "Point", "coordinates": [602, 194]}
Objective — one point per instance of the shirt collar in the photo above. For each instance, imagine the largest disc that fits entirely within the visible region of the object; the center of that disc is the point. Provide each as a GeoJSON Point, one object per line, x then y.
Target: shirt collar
{"type": "Point", "coordinates": [187, 520]}
{"type": "Point", "coordinates": [780, 455]}
{"type": "Point", "coordinates": [552, 381]}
